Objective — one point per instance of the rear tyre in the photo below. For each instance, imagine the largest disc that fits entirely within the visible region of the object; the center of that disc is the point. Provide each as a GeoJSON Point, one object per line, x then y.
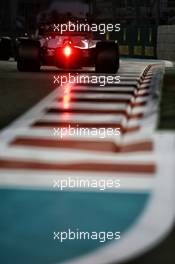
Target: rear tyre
{"type": "Point", "coordinates": [28, 58]}
{"type": "Point", "coordinates": [107, 57]}
{"type": "Point", "coordinates": [28, 66]}
{"type": "Point", "coordinates": [5, 48]}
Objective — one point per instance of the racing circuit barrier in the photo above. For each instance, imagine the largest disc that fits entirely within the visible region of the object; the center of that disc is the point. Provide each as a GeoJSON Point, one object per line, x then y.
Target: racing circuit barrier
{"type": "Point", "coordinates": [137, 42]}
{"type": "Point", "coordinates": [166, 42]}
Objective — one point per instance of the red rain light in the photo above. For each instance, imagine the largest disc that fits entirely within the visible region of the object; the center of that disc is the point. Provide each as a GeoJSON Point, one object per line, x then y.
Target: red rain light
{"type": "Point", "coordinates": [67, 51]}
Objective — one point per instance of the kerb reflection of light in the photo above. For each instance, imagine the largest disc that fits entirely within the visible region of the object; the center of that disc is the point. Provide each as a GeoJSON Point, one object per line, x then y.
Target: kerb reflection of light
{"type": "Point", "coordinates": [67, 96]}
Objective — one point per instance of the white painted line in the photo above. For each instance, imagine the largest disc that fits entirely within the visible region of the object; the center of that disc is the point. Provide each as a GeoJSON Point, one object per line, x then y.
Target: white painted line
{"type": "Point", "coordinates": [97, 96]}
{"type": "Point", "coordinates": [99, 106]}
{"type": "Point", "coordinates": [80, 118]}
{"type": "Point", "coordinates": [51, 155]}
{"type": "Point", "coordinates": [44, 180]}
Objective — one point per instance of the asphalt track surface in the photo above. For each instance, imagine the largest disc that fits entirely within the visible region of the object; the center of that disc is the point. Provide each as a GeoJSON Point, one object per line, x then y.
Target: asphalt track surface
{"type": "Point", "coordinates": [18, 93]}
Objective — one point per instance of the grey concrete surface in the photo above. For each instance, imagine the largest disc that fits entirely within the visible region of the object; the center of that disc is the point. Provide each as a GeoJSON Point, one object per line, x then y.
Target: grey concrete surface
{"type": "Point", "coordinates": [20, 91]}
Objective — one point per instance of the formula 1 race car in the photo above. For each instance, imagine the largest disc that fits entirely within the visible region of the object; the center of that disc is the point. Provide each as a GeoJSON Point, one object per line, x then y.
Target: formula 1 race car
{"type": "Point", "coordinates": [67, 50]}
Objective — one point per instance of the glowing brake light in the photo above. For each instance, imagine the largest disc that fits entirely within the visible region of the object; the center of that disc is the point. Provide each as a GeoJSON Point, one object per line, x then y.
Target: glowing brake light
{"type": "Point", "coordinates": [67, 51]}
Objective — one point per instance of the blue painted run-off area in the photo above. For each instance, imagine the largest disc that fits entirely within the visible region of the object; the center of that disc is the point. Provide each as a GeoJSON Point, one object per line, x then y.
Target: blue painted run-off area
{"type": "Point", "coordinates": [29, 218]}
